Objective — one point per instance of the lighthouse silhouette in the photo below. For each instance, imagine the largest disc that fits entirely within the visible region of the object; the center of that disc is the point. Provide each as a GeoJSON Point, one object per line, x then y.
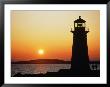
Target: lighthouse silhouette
{"type": "Point", "coordinates": [80, 57]}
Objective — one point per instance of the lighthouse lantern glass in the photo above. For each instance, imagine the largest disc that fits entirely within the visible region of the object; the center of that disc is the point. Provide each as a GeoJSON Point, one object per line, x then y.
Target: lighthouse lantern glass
{"type": "Point", "coordinates": [79, 24]}
{"type": "Point", "coordinates": [76, 24]}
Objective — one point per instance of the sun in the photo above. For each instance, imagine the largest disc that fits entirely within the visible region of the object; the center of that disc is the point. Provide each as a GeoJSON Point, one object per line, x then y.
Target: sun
{"type": "Point", "coordinates": [40, 51]}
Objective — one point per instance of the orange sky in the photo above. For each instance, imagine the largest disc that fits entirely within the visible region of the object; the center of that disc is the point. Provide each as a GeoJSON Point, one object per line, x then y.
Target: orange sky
{"type": "Point", "coordinates": [50, 31]}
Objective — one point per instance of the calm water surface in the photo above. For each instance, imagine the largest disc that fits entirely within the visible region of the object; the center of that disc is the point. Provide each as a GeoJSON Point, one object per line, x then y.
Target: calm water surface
{"type": "Point", "coordinates": [37, 68]}
{"type": "Point", "coordinates": [43, 68]}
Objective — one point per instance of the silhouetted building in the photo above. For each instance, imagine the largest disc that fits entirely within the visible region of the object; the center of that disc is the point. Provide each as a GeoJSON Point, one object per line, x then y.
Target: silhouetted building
{"type": "Point", "coordinates": [80, 58]}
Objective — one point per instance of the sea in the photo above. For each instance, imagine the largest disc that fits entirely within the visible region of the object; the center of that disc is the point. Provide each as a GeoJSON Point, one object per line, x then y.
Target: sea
{"type": "Point", "coordinates": [42, 68]}
{"type": "Point", "coordinates": [37, 68]}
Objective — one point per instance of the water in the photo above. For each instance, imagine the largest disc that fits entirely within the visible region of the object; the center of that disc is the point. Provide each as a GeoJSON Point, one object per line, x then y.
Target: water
{"type": "Point", "coordinates": [43, 68]}
{"type": "Point", "coordinates": [37, 68]}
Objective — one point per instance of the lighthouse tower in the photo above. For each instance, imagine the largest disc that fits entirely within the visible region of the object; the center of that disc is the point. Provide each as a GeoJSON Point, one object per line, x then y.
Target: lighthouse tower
{"type": "Point", "coordinates": [80, 58]}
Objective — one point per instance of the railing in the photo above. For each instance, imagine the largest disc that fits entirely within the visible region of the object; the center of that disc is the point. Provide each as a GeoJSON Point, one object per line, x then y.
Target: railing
{"type": "Point", "coordinates": [94, 66]}
{"type": "Point", "coordinates": [86, 29]}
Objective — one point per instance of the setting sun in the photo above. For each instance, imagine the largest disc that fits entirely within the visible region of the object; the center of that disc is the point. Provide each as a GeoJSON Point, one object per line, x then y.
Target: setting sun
{"type": "Point", "coordinates": [41, 51]}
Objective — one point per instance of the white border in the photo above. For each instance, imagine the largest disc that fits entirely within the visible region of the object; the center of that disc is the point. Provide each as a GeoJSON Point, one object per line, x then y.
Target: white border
{"type": "Point", "coordinates": [56, 80]}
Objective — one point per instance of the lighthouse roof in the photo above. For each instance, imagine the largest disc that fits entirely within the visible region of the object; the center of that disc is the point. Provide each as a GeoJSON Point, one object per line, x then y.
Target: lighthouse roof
{"type": "Point", "coordinates": [79, 20]}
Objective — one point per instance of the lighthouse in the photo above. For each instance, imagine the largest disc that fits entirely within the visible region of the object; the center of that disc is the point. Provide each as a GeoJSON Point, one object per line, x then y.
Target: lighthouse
{"type": "Point", "coordinates": [80, 57]}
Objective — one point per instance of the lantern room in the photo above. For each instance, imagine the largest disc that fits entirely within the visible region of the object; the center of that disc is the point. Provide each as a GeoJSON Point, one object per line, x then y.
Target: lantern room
{"type": "Point", "coordinates": [79, 23]}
